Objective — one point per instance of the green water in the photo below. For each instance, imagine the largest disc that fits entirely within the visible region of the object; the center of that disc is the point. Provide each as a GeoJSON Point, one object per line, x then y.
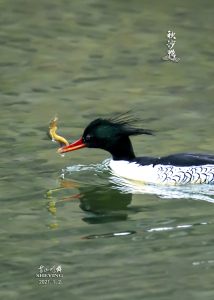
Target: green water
{"type": "Point", "coordinates": [80, 60]}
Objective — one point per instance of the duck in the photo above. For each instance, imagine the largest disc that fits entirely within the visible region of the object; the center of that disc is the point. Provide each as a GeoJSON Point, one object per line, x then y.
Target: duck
{"type": "Point", "coordinates": [113, 135]}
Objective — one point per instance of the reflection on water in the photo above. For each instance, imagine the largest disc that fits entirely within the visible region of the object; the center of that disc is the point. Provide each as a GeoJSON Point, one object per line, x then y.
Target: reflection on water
{"type": "Point", "coordinates": [203, 192]}
{"type": "Point", "coordinates": [124, 186]}
{"type": "Point", "coordinates": [109, 235]}
{"type": "Point", "coordinates": [110, 201]}
{"type": "Point", "coordinates": [105, 206]}
{"type": "Point", "coordinates": [101, 203]}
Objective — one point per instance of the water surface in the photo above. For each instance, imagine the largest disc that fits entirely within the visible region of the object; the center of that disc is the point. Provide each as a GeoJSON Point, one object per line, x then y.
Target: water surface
{"type": "Point", "coordinates": [80, 60]}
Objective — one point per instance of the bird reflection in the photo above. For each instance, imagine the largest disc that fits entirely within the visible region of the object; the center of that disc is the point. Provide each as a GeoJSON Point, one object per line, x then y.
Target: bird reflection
{"type": "Point", "coordinates": [101, 203]}
{"type": "Point", "coordinates": [105, 204]}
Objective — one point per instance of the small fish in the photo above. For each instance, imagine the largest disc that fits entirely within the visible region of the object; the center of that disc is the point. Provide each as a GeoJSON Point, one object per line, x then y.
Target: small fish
{"type": "Point", "coordinates": [54, 136]}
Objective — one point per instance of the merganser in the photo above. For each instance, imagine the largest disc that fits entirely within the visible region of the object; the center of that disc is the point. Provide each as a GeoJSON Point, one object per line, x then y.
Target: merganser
{"type": "Point", "coordinates": [113, 135]}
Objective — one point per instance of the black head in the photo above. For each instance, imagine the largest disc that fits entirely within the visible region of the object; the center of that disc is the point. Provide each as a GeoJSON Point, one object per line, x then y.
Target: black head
{"type": "Point", "coordinates": [111, 135]}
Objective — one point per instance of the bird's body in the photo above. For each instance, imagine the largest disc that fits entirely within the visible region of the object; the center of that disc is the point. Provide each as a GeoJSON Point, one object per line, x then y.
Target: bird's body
{"type": "Point", "coordinates": [158, 171]}
{"type": "Point", "coordinates": [112, 135]}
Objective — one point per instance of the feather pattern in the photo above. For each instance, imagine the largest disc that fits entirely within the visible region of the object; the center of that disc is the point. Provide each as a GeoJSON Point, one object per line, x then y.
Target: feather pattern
{"type": "Point", "coordinates": [183, 175]}
{"type": "Point", "coordinates": [163, 174]}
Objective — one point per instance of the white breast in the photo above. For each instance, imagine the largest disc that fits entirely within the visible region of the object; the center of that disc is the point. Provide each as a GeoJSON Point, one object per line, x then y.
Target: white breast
{"type": "Point", "coordinates": [134, 171]}
{"type": "Point", "coordinates": [163, 174]}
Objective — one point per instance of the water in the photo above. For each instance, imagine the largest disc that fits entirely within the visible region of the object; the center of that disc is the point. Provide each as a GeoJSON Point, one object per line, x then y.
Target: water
{"type": "Point", "coordinates": [79, 61]}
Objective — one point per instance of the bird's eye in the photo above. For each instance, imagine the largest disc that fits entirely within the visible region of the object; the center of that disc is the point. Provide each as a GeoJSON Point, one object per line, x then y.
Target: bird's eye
{"type": "Point", "coordinates": [88, 137]}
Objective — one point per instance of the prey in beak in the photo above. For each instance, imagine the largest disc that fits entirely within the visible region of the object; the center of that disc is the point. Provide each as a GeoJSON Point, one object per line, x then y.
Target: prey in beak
{"type": "Point", "coordinates": [71, 147]}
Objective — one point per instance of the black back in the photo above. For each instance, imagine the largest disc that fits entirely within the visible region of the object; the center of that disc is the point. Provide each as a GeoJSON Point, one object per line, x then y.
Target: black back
{"type": "Point", "coordinates": [177, 160]}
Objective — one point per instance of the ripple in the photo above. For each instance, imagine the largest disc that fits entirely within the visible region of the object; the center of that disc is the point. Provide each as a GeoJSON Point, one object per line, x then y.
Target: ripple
{"type": "Point", "coordinates": [97, 168]}
{"type": "Point", "coordinates": [109, 235]}
{"type": "Point", "coordinates": [197, 192]}
{"type": "Point", "coordinates": [102, 171]}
